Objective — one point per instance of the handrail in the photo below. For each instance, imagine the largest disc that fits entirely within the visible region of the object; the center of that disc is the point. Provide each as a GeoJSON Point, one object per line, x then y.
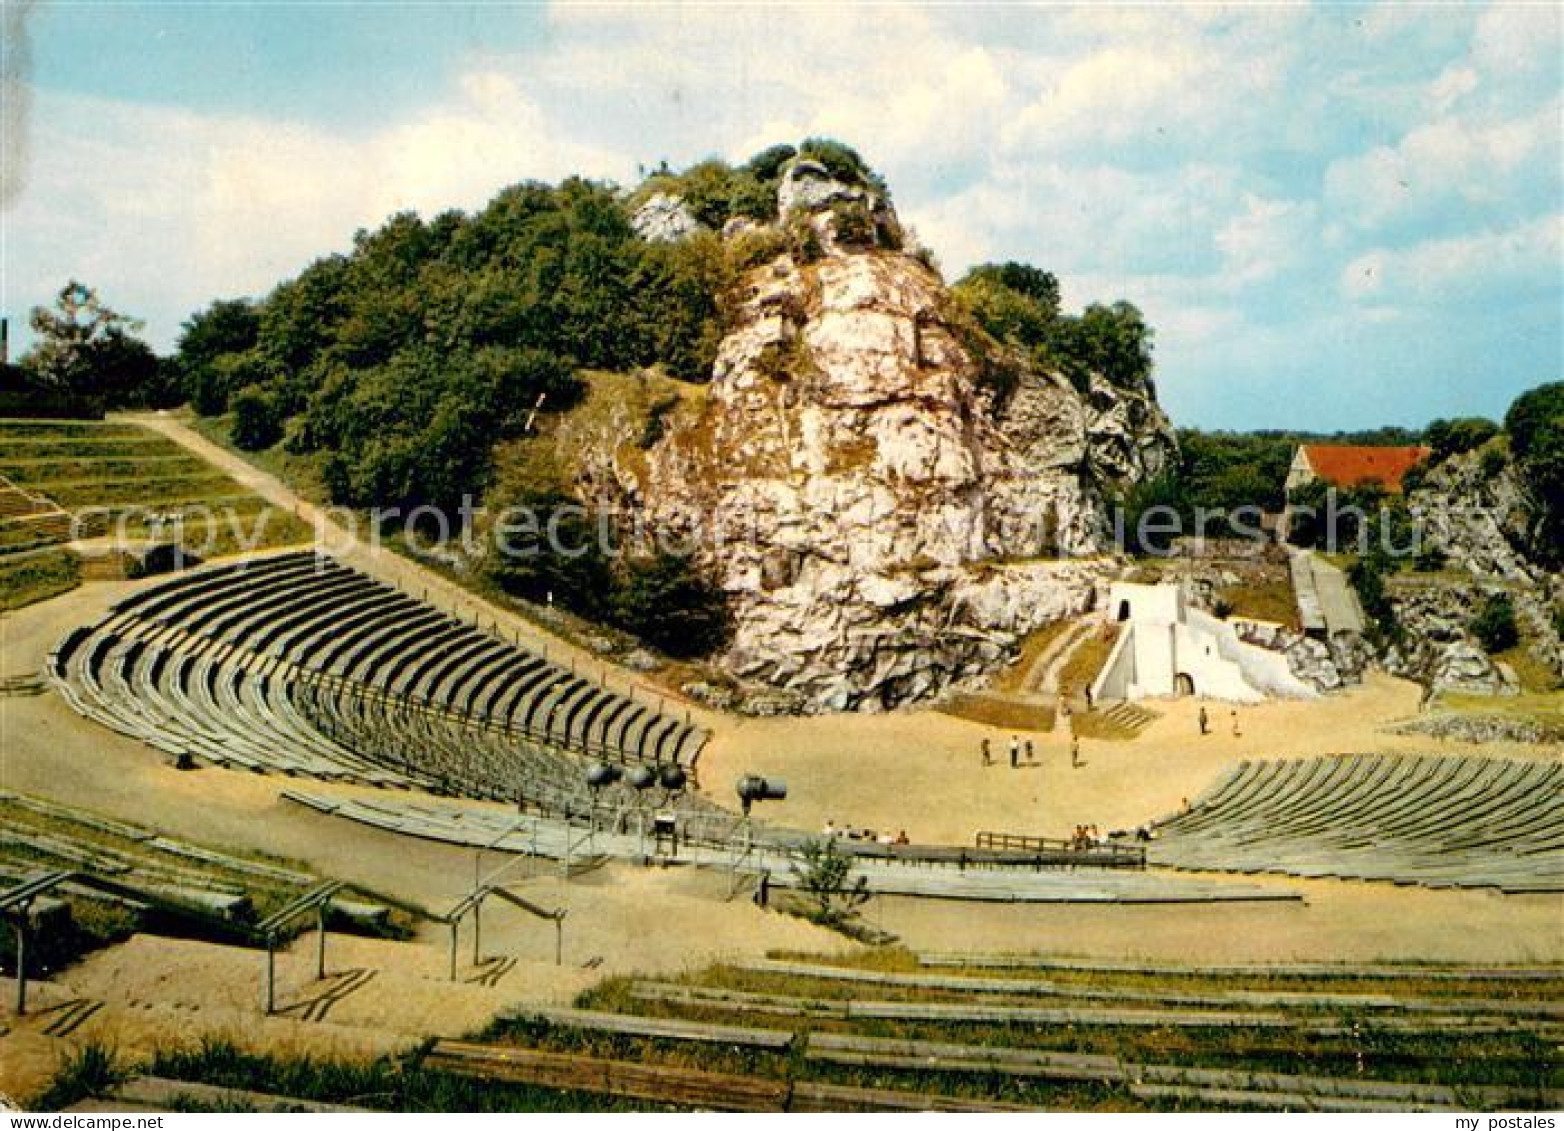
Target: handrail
{"type": "Point", "coordinates": [472, 904]}
{"type": "Point", "coordinates": [1070, 852]}
{"type": "Point", "coordinates": [311, 900]}
{"type": "Point", "coordinates": [30, 889]}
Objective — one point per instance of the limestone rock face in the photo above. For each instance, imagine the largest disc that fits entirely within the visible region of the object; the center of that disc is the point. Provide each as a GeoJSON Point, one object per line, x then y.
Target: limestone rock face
{"type": "Point", "coordinates": [664, 218]}
{"type": "Point", "coordinates": [808, 186]}
{"type": "Point", "coordinates": [1437, 648]}
{"type": "Point", "coordinates": [882, 532]}
{"type": "Point", "coordinates": [1479, 519]}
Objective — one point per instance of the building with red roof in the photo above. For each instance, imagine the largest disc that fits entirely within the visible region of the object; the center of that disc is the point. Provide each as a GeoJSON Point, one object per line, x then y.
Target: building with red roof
{"type": "Point", "coordinates": [1343, 466]}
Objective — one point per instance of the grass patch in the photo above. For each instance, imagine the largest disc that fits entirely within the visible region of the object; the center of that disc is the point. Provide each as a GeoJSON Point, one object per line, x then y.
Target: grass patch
{"type": "Point", "coordinates": [1006, 714]}
{"type": "Point", "coordinates": [90, 1069]}
{"type": "Point", "coordinates": [124, 470]}
{"type": "Point", "coordinates": [1543, 707]}
{"type": "Point", "coordinates": [34, 577]}
{"type": "Point", "coordinates": [383, 1083]}
{"type": "Point", "coordinates": [1536, 677]}
{"type": "Point", "coordinates": [1520, 1058]}
{"type": "Point", "coordinates": [1086, 661]}
{"type": "Point", "coordinates": [1270, 600]}
{"type": "Point", "coordinates": [1014, 677]}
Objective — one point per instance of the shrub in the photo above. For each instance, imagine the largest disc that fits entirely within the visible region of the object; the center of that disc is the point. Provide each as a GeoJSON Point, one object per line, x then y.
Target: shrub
{"type": "Point", "coordinates": [853, 224]}
{"type": "Point", "coordinates": [1493, 460]}
{"type": "Point", "coordinates": [825, 875]}
{"type": "Point", "coordinates": [750, 249]}
{"type": "Point", "coordinates": [565, 562]}
{"type": "Point", "coordinates": [1367, 576]}
{"type": "Point", "coordinates": [842, 161]}
{"type": "Point", "coordinates": [656, 426]}
{"type": "Point", "coordinates": [90, 1070]}
{"type": "Point", "coordinates": [1454, 437]}
{"type": "Point", "coordinates": [257, 423]}
{"type": "Point", "coordinates": [667, 603]}
{"type": "Point", "coordinates": [803, 241]}
{"type": "Point", "coordinates": [1494, 625]}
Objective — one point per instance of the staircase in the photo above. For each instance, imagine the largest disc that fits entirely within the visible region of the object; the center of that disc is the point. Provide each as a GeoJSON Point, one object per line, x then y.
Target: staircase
{"type": "Point", "coordinates": [1119, 721]}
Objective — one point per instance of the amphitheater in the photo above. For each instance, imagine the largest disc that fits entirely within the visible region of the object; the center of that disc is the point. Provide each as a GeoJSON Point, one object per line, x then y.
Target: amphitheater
{"type": "Point", "coordinates": [540, 861]}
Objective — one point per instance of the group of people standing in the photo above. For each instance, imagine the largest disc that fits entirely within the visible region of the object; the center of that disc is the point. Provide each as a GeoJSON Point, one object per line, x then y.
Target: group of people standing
{"type": "Point", "coordinates": [1205, 723]}
{"type": "Point", "coordinates": [1023, 754]}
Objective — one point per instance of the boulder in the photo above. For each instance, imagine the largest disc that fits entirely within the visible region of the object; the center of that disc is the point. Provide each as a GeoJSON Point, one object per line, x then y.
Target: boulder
{"type": "Point", "coordinates": [664, 218]}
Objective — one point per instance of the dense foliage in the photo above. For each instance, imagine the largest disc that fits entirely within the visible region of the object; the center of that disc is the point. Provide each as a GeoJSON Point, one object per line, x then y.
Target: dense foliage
{"type": "Point", "coordinates": [1494, 625]}
{"type": "Point", "coordinates": [568, 557]}
{"type": "Point", "coordinates": [404, 360]}
{"type": "Point", "coordinates": [1367, 575]}
{"type": "Point", "coordinates": [1455, 437]}
{"type": "Point", "coordinates": [1019, 305]}
{"type": "Point", "coordinates": [1535, 423]}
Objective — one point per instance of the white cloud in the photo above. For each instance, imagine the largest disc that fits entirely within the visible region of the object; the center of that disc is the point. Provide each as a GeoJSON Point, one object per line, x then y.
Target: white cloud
{"type": "Point", "coordinates": [1447, 160]}
{"type": "Point", "coordinates": [1521, 258]}
{"type": "Point", "coordinates": [1267, 238]}
{"type": "Point", "coordinates": [164, 209]}
{"type": "Point", "coordinates": [1453, 84]}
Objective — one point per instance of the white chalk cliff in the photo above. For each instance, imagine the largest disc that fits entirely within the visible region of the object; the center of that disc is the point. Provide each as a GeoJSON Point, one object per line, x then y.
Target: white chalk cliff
{"type": "Point", "coordinates": [883, 529]}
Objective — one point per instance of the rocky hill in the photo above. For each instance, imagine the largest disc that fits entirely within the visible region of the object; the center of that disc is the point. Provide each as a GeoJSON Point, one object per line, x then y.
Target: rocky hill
{"type": "Point", "coordinates": [1477, 510]}
{"type": "Point", "coordinates": [886, 482]}
{"type": "Point", "coordinates": [885, 523]}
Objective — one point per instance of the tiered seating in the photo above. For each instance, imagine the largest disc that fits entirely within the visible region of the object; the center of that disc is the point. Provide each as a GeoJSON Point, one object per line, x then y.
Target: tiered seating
{"type": "Point", "coordinates": [1438, 822]}
{"type": "Point", "coordinates": [299, 665]}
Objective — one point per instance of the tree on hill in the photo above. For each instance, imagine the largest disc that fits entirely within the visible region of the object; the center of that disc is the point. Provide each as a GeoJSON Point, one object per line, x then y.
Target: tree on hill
{"type": "Point", "coordinates": [1494, 625]}
{"type": "Point", "coordinates": [1535, 423]}
{"type": "Point", "coordinates": [1455, 437]}
{"type": "Point", "coordinates": [1019, 305]}
{"type": "Point", "coordinates": [666, 602]}
{"type": "Point", "coordinates": [208, 339]}
{"type": "Point", "coordinates": [86, 349]}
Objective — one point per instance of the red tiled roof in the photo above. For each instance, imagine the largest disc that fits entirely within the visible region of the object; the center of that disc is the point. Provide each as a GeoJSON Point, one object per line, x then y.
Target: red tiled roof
{"type": "Point", "coordinates": [1352, 467]}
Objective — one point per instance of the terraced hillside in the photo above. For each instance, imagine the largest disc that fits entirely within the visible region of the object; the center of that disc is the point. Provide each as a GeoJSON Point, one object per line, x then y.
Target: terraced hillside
{"type": "Point", "coordinates": [298, 665]}
{"type": "Point", "coordinates": [138, 485]}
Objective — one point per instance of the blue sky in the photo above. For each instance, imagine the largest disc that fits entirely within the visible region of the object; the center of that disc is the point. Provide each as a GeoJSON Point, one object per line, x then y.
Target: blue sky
{"type": "Point", "coordinates": [1335, 216]}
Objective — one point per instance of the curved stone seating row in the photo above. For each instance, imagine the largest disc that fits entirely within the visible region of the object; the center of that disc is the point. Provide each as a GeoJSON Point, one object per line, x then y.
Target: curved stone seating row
{"type": "Point", "coordinates": [298, 664]}
{"type": "Point", "coordinates": [1432, 821]}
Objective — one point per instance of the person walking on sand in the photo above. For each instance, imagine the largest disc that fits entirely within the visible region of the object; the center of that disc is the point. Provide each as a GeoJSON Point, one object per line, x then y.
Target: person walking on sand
{"type": "Point", "coordinates": [1075, 752]}
{"type": "Point", "coordinates": [988, 753]}
{"type": "Point", "coordinates": [1029, 758]}
{"type": "Point", "coordinates": [1205, 721]}
{"type": "Point", "coordinates": [1015, 751]}
{"type": "Point", "coordinates": [1236, 732]}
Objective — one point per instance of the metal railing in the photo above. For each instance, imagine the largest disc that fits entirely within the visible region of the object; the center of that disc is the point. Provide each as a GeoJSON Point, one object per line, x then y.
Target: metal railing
{"type": "Point", "coordinates": [1065, 853]}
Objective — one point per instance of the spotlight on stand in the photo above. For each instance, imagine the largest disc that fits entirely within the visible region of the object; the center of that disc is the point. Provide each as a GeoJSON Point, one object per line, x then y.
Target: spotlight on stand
{"type": "Point", "coordinates": [600, 775]}
{"type": "Point", "coordinates": [752, 788]}
{"type": "Point", "coordinates": [672, 778]}
{"type": "Point", "coordinates": [641, 777]}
